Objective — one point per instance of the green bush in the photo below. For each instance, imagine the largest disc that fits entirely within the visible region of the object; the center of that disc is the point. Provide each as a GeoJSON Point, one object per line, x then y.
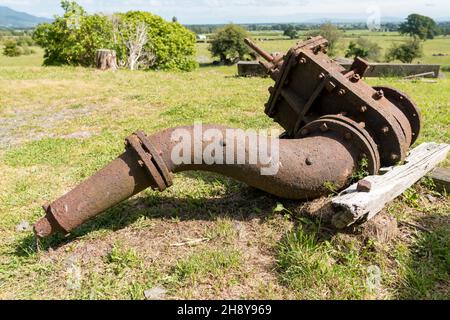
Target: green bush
{"type": "Point", "coordinates": [172, 44]}
{"type": "Point", "coordinates": [11, 49]}
{"type": "Point", "coordinates": [291, 32]}
{"type": "Point", "coordinates": [228, 44]}
{"type": "Point", "coordinates": [365, 49]}
{"type": "Point", "coordinates": [28, 51]}
{"type": "Point", "coordinates": [74, 38]}
{"type": "Point", "coordinates": [405, 52]}
{"type": "Point", "coordinates": [25, 41]}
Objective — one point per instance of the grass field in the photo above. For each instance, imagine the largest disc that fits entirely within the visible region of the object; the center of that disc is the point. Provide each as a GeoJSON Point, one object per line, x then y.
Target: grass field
{"type": "Point", "coordinates": [435, 46]}
{"type": "Point", "coordinates": [58, 125]}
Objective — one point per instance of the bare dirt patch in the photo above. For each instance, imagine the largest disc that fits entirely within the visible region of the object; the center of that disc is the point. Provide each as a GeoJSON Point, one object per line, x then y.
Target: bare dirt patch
{"type": "Point", "coordinates": [21, 126]}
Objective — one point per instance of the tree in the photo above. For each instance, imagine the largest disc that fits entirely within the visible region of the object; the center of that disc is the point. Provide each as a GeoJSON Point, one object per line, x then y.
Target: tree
{"type": "Point", "coordinates": [419, 26]}
{"type": "Point", "coordinates": [228, 44]}
{"type": "Point", "coordinates": [134, 37]}
{"type": "Point", "coordinates": [291, 32]}
{"type": "Point", "coordinates": [330, 32]}
{"type": "Point", "coordinates": [11, 49]}
{"type": "Point", "coordinates": [405, 52]}
{"type": "Point", "coordinates": [365, 49]}
{"type": "Point", "coordinates": [74, 38]}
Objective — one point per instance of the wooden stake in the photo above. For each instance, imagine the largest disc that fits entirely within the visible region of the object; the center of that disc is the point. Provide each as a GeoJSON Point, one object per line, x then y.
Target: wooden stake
{"type": "Point", "coordinates": [353, 206]}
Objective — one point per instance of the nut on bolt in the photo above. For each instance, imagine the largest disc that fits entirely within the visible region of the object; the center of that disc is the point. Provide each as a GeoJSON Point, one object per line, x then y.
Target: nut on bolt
{"type": "Point", "coordinates": [364, 186]}
{"type": "Point", "coordinates": [362, 109]}
{"type": "Point", "coordinates": [342, 92]}
{"type": "Point", "coordinates": [356, 78]}
{"type": "Point", "coordinates": [378, 95]}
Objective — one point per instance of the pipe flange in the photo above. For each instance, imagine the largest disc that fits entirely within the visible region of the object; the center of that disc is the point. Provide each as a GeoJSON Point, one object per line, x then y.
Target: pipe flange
{"type": "Point", "coordinates": [404, 103]}
{"type": "Point", "coordinates": [150, 159]}
{"type": "Point", "coordinates": [348, 130]}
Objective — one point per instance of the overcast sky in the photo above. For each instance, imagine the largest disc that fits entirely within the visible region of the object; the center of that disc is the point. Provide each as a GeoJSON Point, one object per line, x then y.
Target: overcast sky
{"type": "Point", "coordinates": [244, 11]}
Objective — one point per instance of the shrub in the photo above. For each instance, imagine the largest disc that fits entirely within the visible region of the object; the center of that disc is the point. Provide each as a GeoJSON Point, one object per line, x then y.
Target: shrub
{"type": "Point", "coordinates": [228, 44]}
{"type": "Point", "coordinates": [25, 41]}
{"type": "Point", "coordinates": [28, 51]}
{"type": "Point", "coordinates": [11, 49]}
{"type": "Point", "coordinates": [405, 52]}
{"type": "Point", "coordinates": [172, 45]}
{"type": "Point", "coordinates": [291, 32]}
{"type": "Point", "coordinates": [74, 38]}
{"type": "Point", "coordinates": [365, 49]}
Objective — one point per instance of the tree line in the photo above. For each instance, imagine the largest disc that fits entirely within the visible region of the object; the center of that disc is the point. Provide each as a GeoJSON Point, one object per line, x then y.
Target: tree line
{"type": "Point", "coordinates": [143, 40]}
{"type": "Point", "coordinates": [228, 42]}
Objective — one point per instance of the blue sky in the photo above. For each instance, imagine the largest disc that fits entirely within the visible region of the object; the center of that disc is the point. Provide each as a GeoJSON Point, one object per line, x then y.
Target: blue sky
{"type": "Point", "coordinates": [244, 11]}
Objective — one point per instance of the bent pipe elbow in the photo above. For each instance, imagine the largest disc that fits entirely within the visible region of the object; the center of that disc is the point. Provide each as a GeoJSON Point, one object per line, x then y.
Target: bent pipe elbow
{"type": "Point", "coordinates": [293, 169]}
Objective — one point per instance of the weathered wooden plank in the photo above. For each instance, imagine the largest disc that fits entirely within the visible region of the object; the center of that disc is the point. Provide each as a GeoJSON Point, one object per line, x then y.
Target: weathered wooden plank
{"type": "Point", "coordinates": [421, 75]}
{"type": "Point", "coordinates": [364, 202]}
{"type": "Point", "coordinates": [441, 178]}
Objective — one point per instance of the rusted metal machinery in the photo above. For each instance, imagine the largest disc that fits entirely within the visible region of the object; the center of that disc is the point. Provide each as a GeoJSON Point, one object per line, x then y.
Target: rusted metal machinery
{"type": "Point", "coordinates": [332, 119]}
{"type": "Point", "coordinates": [309, 85]}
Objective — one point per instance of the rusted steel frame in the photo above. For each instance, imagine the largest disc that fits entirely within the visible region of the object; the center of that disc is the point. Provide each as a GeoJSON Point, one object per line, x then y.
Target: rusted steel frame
{"type": "Point", "coordinates": [388, 125]}
{"type": "Point", "coordinates": [395, 141]}
{"type": "Point", "coordinates": [359, 68]}
{"type": "Point", "coordinates": [274, 63]}
{"type": "Point", "coordinates": [309, 104]}
{"type": "Point", "coordinates": [305, 165]}
{"type": "Point", "coordinates": [407, 106]}
{"type": "Point", "coordinates": [282, 81]}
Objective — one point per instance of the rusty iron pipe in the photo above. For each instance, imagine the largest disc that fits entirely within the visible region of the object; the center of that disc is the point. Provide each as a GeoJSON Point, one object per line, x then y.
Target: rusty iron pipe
{"type": "Point", "coordinates": [305, 167]}
{"type": "Point", "coordinates": [264, 54]}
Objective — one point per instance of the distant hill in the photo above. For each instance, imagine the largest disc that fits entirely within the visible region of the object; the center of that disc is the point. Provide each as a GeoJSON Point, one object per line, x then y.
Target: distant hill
{"type": "Point", "coordinates": [14, 19]}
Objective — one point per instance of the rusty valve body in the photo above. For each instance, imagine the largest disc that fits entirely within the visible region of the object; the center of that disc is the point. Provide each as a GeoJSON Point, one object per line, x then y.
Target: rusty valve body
{"type": "Point", "coordinates": [309, 85]}
{"type": "Point", "coordinates": [333, 120]}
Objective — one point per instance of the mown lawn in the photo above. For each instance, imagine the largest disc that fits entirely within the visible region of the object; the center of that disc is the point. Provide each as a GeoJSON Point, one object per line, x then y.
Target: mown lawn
{"type": "Point", "coordinates": [58, 125]}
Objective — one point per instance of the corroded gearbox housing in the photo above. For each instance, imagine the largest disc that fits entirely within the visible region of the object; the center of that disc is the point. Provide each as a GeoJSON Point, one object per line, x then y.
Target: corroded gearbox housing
{"type": "Point", "coordinates": [311, 91]}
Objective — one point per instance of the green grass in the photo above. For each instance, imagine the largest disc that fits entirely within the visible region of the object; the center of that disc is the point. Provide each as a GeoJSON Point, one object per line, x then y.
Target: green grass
{"type": "Point", "coordinates": [198, 267]}
{"type": "Point", "coordinates": [250, 251]}
{"type": "Point", "coordinates": [22, 61]}
{"type": "Point", "coordinates": [322, 270]}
